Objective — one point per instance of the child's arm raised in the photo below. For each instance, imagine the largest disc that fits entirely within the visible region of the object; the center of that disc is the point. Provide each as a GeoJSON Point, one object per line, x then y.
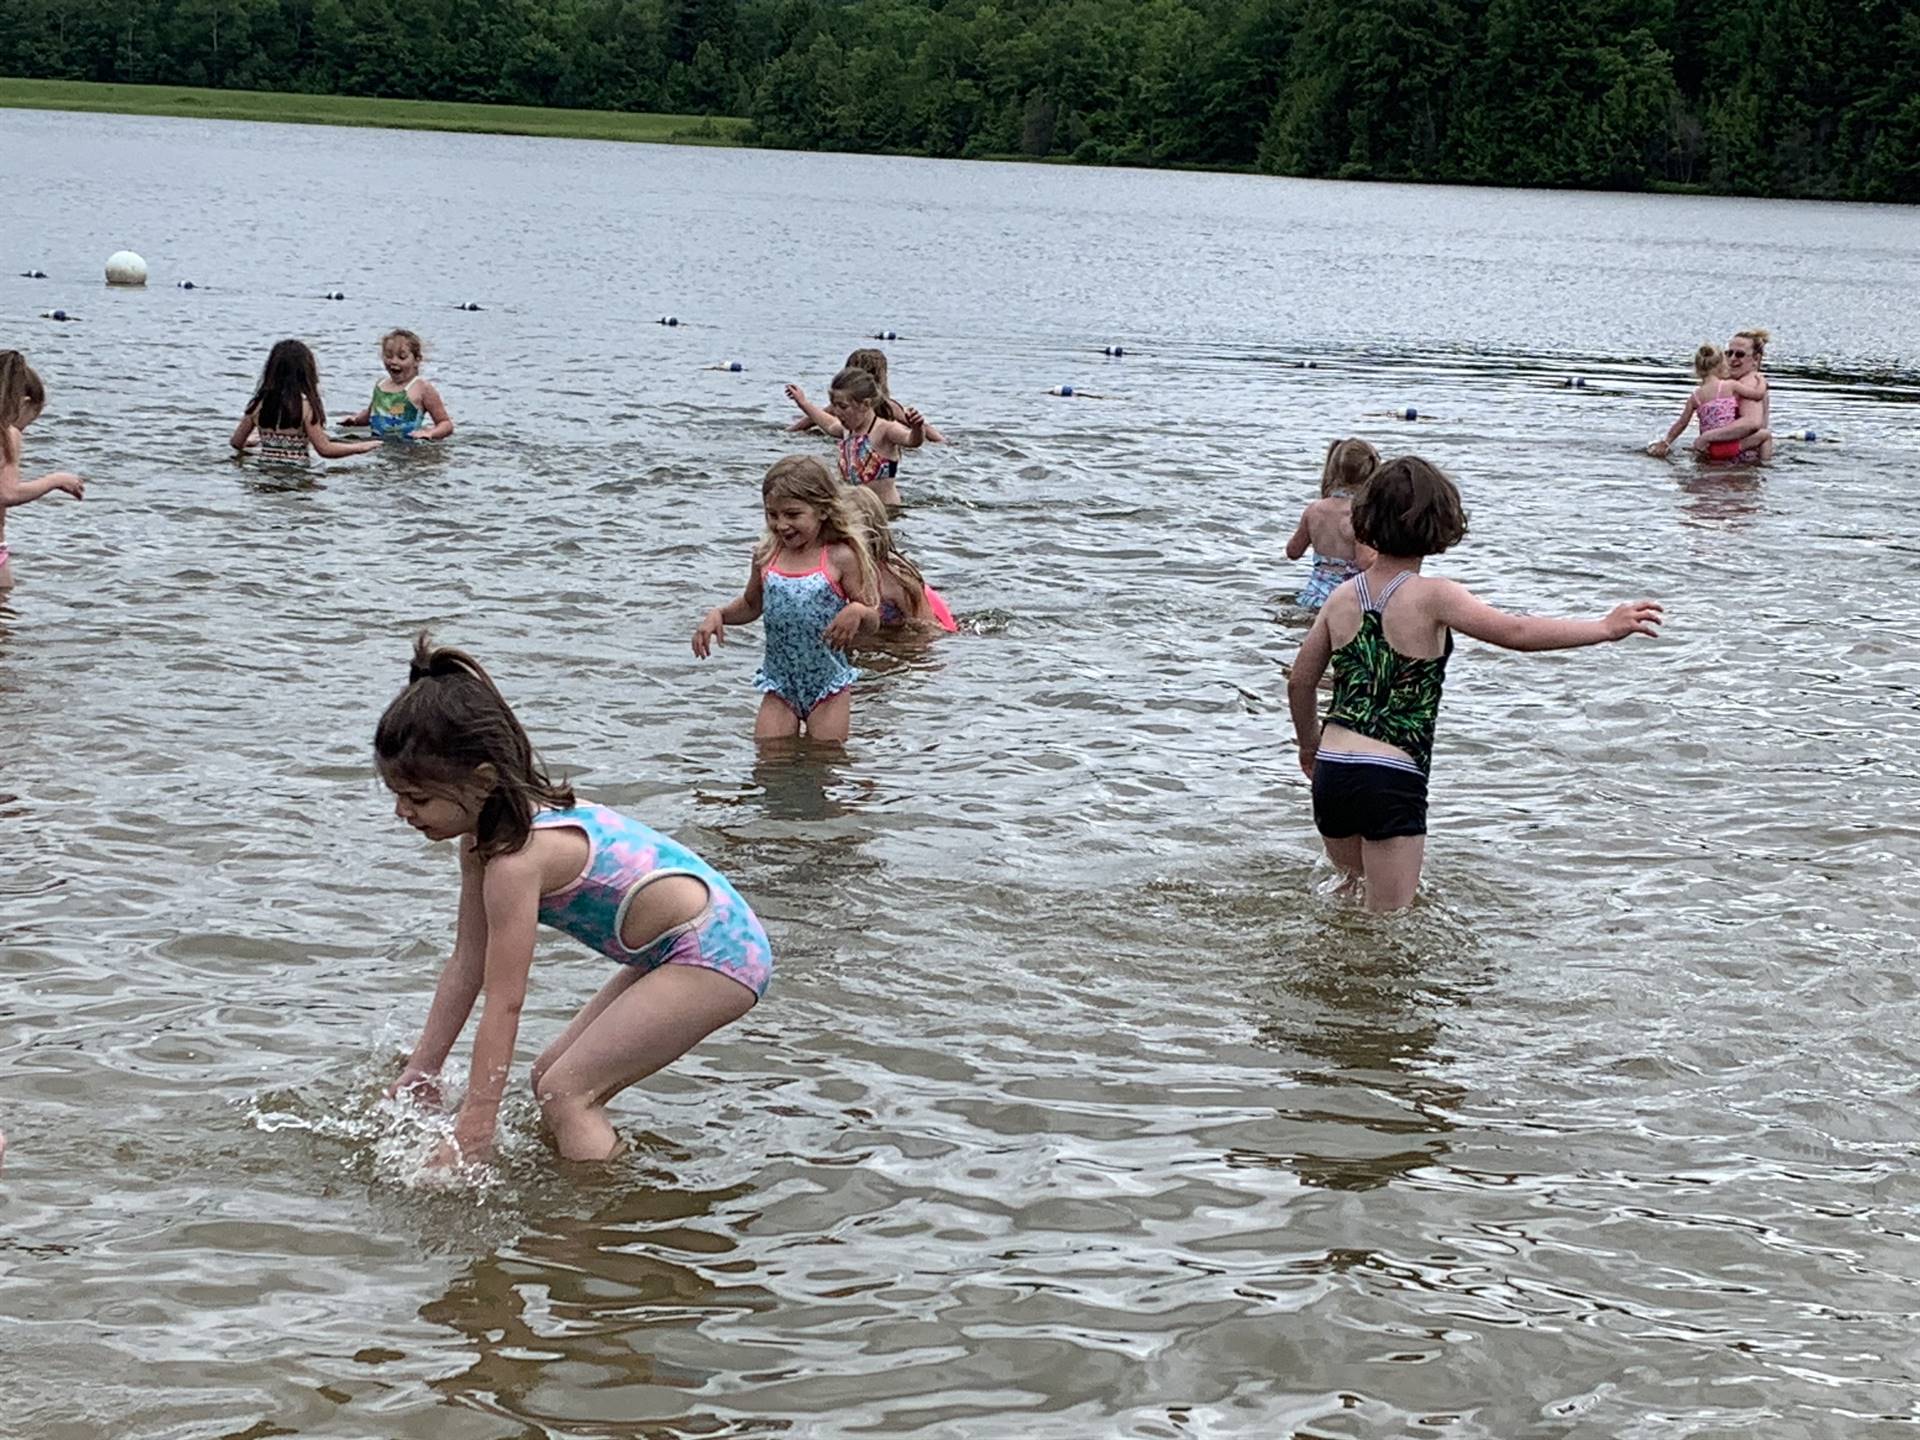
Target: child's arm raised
{"type": "Point", "coordinates": [453, 997]}
{"type": "Point", "coordinates": [1302, 690]}
{"type": "Point", "coordinates": [510, 893]}
{"type": "Point", "coordinates": [862, 610]}
{"type": "Point", "coordinates": [436, 409]}
{"type": "Point", "coordinates": [735, 612]}
{"type": "Point", "coordinates": [1457, 608]}
{"type": "Point", "coordinates": [814, 413]}
{"type": "Point", "coordinates": [1660, 447]}
{"type": "Point", "coordinates": [1302, 536]}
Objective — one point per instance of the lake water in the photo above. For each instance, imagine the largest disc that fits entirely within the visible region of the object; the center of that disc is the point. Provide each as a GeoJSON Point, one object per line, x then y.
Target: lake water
{"type": "Point", "coordinates": [1075, 1108]}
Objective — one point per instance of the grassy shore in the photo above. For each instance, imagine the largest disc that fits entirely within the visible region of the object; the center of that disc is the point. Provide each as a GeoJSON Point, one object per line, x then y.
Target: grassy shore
{"type": "Point", "coordinates": [180, 100]}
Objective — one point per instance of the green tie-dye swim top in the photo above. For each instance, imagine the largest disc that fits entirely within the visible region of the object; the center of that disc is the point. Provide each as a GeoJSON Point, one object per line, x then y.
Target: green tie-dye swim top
{"type": "Point", "coordinates": [1382, 694]}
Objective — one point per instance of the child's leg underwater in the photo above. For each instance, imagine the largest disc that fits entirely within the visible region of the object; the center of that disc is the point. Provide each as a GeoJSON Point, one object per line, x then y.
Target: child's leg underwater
{"type": "Point", "coordinates": [1346, 857]}
{"type": "Point", "coordinates": [1393, 870]}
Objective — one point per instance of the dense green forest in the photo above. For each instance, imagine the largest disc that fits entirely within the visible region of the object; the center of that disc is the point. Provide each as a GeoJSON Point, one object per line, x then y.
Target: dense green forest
{"type": "Point", "coordinates": [1785, 97]}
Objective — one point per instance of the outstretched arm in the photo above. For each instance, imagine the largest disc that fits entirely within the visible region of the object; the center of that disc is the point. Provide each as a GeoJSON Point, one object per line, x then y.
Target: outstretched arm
{"type": "Point", "coordinates": [15, 491]}
{"type": "Point", "coordinates": [1308, 666]}
{"type": "Point", "coordinates": [459, 987]}
{"type": "Point", "coordinates": [814, 413]}
{"type": "Point", "coordinates": [328, 448]}
{"type": "Point", "coordinates": [1660, 447]}
{"type": "Point", "coordinates": [1458, 608]}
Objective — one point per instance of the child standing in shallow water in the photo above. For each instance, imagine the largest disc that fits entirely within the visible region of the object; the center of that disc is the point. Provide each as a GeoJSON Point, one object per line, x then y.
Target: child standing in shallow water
{"type": "Point", "coordinates": [22, 398]}
{"type": "Point", "coordinates": [1369, 760]}
{"type": "Point", "coordinates": [404, 405]}
{"type": "Point", "coordinates": [690, 953]}
{"type": "Point", "coordinates": [1327, 523]}
{"type": "Point", "coordinates": [813, 579]}
{"type": "Point", "coordinates": [285, 417]}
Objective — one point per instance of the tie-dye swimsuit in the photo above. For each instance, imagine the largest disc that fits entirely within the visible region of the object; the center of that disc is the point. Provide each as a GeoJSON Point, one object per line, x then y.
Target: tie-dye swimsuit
{"type": "Point", "coordinates": [626, 856]}
{"type": "Point", "coordinates": [799, 666]}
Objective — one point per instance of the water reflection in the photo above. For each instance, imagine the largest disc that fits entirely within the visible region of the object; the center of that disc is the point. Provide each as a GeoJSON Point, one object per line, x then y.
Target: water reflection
{"type": "Point", "coordinates": [578, 1319]}
{"type": "Point", "coordinates": [1729, 499]}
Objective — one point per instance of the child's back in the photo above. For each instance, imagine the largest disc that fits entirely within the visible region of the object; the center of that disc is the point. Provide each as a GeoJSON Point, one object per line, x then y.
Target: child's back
{"type": "Point", "coordinates": [1326, 525]}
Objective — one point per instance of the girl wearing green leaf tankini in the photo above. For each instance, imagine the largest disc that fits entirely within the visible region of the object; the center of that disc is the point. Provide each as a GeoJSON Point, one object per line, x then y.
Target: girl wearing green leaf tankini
{"type": "Point", "coordinates": [1387, 633]}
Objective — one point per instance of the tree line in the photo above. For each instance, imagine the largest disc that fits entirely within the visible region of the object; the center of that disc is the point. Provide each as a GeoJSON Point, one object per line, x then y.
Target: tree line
{"type": "Point", "coordinates": [1780, 97]}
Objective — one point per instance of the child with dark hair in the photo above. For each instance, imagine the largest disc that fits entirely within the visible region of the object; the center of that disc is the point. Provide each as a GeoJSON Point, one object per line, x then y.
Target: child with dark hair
{"type": "Point", "coordinates": [286, 412]}
{"type": "Point", "coordinates": [691, 955]}
{"type": "Point", "coordinates": [22, 398]}
{"type": "Point", "coordinates": [1370, 758]}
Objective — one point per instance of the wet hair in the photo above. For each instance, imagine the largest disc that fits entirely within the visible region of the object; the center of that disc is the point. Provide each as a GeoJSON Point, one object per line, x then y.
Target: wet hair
{"type": "Point", "coordinates": [805, 479]}
{"type": "Point", "coordinates": [289, 378]}
{"type": "Point", "coordinates": [22, 396]}
{"type": "Point", "coordinates": [874, 362]}
{"type": "Point", "coordinates": [407, 338]}
{"type": "Point", "coordinates": [1409, 509]}
{"type": "Point", "coordinates": [1348, 464]}
{"type": "Point", "coordinates": [1759, 339]}
{"type": "Point", "coordinates": [873, 514]}
{"type": "Point", "coordinates": [1708, 361]}
{"type": "Point", "coordinates": [858, 384]}
{"type": "Point", "coordinates": [449, 721]}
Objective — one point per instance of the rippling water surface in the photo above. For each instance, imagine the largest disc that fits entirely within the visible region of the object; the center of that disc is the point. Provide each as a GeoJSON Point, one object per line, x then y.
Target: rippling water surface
{"type": "Point", "coordinates": [1075, 1110]}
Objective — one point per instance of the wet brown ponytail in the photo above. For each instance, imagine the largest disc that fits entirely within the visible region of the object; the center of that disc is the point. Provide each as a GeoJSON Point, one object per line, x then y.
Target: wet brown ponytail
{"type": "Point", "coordinates": [451, 720]}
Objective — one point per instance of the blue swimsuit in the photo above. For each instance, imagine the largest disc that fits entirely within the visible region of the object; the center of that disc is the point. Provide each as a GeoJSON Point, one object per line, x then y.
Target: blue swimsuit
{"type": "Point", "coordinates": [626, 856]}
{"type": "Point", "coordinates": [799, 666]}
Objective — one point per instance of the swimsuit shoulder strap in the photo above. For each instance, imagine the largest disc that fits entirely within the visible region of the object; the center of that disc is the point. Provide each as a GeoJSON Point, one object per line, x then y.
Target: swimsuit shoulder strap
{"type": "Point", "coordinates": [1392, 585]}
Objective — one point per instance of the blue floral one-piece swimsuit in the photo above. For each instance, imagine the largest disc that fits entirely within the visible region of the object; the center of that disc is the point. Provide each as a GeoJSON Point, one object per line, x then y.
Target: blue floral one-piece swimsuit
{"type": "Point", "coordinates": [799, 666]}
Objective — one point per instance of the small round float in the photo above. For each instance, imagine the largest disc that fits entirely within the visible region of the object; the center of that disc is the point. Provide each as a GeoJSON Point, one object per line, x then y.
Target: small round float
{"type": "Point", "coordinates": [126, 268]}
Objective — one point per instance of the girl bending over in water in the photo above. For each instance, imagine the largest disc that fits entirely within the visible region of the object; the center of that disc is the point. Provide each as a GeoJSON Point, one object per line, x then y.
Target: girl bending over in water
{"type": "Point", "coordinates": [689, 954]}
{"type": "Point", "coordinates": [906, 600]}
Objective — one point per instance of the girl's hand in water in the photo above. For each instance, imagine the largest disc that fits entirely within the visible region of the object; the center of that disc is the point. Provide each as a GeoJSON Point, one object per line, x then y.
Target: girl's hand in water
{"type": "Point", "coordinates": [1658, 449]}
{"type": "Point", "coordinates": [709, 630]}
{"type": "Point", "coordinates": [1642, 617]}
{"type": "Point", "coordinates": [420, 1085]}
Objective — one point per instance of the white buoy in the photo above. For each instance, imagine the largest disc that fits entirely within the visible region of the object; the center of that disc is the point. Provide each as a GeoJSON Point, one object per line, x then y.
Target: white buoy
{"type": "Point", "coordinates": [126, 268]}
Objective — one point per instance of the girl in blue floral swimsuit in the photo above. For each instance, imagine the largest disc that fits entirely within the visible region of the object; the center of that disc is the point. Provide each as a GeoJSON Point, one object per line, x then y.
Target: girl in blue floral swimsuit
{"type": "Point", "coordinates": [813, 582]}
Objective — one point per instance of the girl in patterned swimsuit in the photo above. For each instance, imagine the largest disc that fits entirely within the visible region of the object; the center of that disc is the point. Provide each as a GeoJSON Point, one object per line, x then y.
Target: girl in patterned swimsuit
{"type": "Point", "coordinates": [1716, 403]}
{"type": "Point", "coordinates": [812, 578]}
{"type": "Point", "coordinates": [1387, 634]}
{"type": "Point", "coordinates": [285, 415]}
{"type": "Point", "coordinates": [874, 362]}
{"type": "Point", "coordinates": [404, 405]}
{"type": "Point", "coordinates": [1327, 523]}
{"type": "Point", "coordinates": [691, 956]}
{"type": "Point", "coordinates": [870, 444]}
{"type": "Point", "coordinates": [22, 398]}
